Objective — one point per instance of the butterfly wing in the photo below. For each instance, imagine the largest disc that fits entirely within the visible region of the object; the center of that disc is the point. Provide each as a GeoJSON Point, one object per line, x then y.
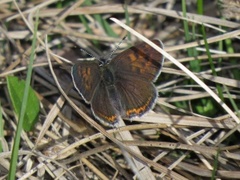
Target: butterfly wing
{"type": "Point", "coordinates": [86, 77]}
{"type": "Point", "coordinates": [102, 106]}
{"type": "Point", "coordinates": [141, 60]}
{"type": "Point", "coordinates": [135, 69]}
{"type": "Point", "coordinates": [137, 96]}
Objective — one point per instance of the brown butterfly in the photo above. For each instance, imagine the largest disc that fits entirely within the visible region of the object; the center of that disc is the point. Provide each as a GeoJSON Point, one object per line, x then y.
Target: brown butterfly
{"type": "Point", "coordinates": [122, 87]}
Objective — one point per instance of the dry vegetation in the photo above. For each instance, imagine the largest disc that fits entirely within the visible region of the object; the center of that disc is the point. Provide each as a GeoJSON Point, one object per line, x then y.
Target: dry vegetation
{"type": "Point", "coordinates": [188, 135]}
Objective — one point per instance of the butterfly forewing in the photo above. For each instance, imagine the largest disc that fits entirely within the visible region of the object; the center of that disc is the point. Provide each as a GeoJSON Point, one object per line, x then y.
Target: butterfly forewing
{"type": "Point", "coordinates": [89, 73]}
{"type": "Point", "coordinates": [140, 60]}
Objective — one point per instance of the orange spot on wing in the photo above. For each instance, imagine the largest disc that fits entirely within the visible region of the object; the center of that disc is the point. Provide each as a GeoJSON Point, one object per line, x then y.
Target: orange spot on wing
{"type": "Point", "coordinates": [133, 57]}
{"type": "Point", "coordinates": [140, 110]}
{"type": "Point", "coordinates": [85, 74]}
{"type": "Point", "coordinates": [109, 119]}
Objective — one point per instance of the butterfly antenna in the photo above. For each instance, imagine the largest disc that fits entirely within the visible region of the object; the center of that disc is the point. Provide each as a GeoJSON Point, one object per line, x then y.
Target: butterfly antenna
{"type": "Point", "coordinates": [110, 55]}
{"type": "Point", "coordinates": [83, 50]}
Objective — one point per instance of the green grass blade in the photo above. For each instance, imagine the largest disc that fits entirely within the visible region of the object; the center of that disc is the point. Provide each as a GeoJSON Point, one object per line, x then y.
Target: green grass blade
{"type": "Point", "coordinates": [200, 6]}
{"type": "Point", "coordinates": [219, 88]}
{"type": "Point", "coordinates": [233, 103]}
{"type": "Point", "coordinates": [215, 165]}
{"type": "Point", "coordinates": [194, 65]}
{"type": "Point", "coordinates": [14, 156]}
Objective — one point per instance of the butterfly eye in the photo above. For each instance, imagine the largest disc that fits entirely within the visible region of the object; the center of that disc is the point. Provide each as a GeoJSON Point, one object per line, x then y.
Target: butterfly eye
{"type": "Point", "coordinates": [102, 61]}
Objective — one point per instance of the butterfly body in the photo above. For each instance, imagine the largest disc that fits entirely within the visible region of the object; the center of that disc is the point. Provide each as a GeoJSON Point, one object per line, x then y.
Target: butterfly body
{"type": "Point", "coordinates": [109, 80]}
{"type": "Point", "coordinates": [121, 87]}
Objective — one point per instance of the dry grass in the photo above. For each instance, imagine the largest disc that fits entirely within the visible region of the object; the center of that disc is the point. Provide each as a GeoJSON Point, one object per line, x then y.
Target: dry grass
{"type": "Point", "coordinates": [188, 135]}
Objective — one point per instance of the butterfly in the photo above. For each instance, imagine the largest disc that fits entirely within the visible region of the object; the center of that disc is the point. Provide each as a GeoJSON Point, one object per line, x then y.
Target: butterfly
{"type": "Point", "coordinates": [120, 87]}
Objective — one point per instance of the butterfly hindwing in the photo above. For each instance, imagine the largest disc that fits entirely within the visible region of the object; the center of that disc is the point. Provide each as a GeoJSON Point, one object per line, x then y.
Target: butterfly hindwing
{"type": "Point", "coordinates": [102, 106]}
{"type": "Point", "coordinates": [137, 96]}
